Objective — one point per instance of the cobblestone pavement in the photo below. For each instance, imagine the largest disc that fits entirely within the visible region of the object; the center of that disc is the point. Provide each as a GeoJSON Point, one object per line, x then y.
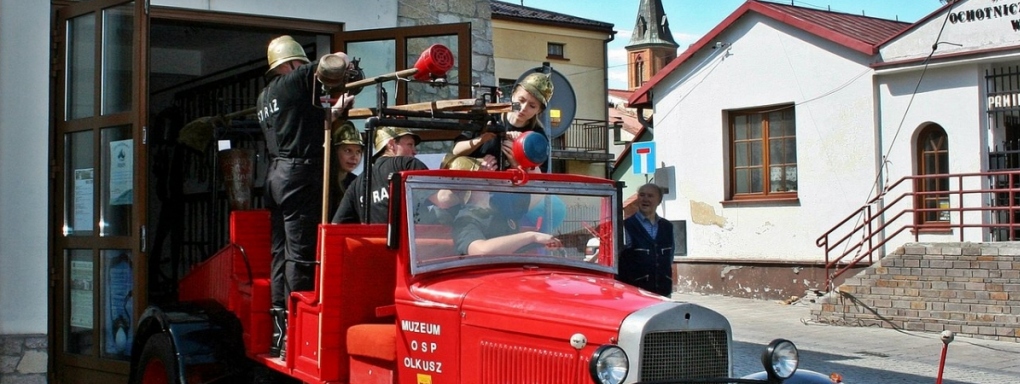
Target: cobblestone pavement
{"type": "Point", "coordinates": [860, 354]}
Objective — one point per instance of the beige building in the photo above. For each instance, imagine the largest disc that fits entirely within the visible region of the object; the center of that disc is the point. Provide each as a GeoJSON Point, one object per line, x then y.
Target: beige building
{"type": "Point", "coordinates": [524, 38]}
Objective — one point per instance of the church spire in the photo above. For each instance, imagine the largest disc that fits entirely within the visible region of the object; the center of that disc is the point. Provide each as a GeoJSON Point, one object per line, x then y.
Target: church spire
{"type": "Point", "coordinates": [651, 44]}
{"type": "Point", "coordinates": [651, 26]}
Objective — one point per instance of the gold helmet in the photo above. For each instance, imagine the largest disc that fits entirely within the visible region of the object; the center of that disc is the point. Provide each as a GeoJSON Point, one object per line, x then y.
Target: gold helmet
{"type": "Point", "coordinates": [346, 134]}
{"type": "Point", "coordinates": [540, 86]}
{"type": "Point", "coordinates": [460, 163]}
{"type": "Point", "coordinates": [283, 49]}
{"type": "Point", "coordinates": [385, 134]}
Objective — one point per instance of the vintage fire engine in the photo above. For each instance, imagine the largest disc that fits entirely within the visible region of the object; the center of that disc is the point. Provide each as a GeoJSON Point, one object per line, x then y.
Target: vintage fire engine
{"type": "Point", "coordinates": [396, 302]}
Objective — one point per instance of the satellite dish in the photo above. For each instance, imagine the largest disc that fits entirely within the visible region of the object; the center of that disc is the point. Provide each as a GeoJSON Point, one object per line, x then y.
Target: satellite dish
{"type": "Point", "coordinates": [559, 114]}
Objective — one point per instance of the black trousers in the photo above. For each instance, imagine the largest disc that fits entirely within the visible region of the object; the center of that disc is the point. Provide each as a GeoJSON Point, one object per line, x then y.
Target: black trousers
{"type": "Point", "coordinates": [294, 199]}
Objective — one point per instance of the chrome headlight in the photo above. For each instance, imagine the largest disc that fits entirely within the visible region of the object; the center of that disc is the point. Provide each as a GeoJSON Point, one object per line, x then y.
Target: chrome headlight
{"type": "Point", "coordinates": [609, 365]}
{"type": "Point", "coordinates": [780, 359]}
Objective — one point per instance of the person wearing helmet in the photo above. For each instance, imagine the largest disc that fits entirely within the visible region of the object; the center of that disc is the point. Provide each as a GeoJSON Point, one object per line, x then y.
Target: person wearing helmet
{"type": "Point", "coordinates": [292, 124]}
{"type": "Point", "coordinates": [532, 94]}
{"type": "Point", "coordinates": [394, 151]}
{"type": "Point", "coordinates": [348, 147]}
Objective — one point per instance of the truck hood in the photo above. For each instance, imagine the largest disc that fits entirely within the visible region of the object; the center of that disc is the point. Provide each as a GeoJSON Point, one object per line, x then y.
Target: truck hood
{"type": "Point", "coordinates": [537, 299]}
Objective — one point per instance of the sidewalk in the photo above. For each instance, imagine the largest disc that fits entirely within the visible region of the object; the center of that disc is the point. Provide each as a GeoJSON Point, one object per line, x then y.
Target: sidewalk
{"type": "Point", "coordinates": [862, 351]}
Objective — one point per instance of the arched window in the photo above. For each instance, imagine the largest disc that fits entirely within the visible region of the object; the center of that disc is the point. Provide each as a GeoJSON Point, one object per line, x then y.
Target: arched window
{"type": "Point", "coordinates": [639, 71]}
{"type": "Point", "coordinates": [932, 159]}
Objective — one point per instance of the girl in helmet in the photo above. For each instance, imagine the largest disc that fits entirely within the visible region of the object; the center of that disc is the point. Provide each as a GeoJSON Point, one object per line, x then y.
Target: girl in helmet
{"type": "Point", "coordinates": [532, 94]}
{"type": "Point", "coordinates": [348, 147]}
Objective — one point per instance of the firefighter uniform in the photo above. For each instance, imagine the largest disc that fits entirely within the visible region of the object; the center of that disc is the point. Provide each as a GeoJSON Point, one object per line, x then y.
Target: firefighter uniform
{"type": "Point", "coordinates": [292, 122]}
{"type": "Point", "coordinates": [382, 168]}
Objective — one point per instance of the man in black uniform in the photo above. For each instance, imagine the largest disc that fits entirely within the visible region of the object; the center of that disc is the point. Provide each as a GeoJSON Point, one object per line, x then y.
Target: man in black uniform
{"type": "Point", "coordinates": [293, 124]}
{"type": "Point", "coordinates": [395, 149]}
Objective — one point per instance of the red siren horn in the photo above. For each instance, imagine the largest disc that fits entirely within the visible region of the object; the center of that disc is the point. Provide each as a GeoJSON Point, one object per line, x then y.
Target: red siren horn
{"type": "Point", "coordinates": [433, 62]}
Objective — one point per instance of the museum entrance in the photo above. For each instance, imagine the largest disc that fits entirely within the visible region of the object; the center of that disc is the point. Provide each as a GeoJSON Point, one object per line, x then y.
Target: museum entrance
{"type": "Point", "coordinates": [148, 108]}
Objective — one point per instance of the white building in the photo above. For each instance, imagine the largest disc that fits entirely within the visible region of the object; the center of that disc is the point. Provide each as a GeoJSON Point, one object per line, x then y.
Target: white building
{"type": "Point", "coordinates": [783, 121]}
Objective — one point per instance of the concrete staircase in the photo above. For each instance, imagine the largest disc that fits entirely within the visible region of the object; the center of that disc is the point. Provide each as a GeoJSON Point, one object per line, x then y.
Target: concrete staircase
{"type": "Point", "coordinates": [972, 289]}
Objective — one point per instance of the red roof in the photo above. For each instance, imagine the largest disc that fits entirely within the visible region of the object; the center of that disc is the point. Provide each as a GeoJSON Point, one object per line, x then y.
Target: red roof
{"type": "Point", "coordinates": [620, 93]}
{"type": "Point", "coordinates": [859, 33]}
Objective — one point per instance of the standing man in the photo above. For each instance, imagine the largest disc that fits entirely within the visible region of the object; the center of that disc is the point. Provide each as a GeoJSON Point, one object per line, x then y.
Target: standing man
{"type": "Point", "coordinates": [395, 149]}
{"type": "Point", "coordinates": [293, 124]}
{"type": "Point", "coordinates": [647, 258]}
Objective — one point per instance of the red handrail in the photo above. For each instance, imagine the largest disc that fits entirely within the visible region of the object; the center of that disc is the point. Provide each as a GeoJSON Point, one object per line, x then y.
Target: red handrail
{"type": "Point", "coordinates": [871, 221]}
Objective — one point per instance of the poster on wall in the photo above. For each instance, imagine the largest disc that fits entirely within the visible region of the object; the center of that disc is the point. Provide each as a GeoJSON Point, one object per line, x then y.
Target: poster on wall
{"type": "Point", "coordinates": [81, 294]}
{"type": "Point", "coordinates": [118, 302]}
{"type": "Point", "coordinates": [84, 191]}
{"type": "Point", "coordinates": [121, 171]}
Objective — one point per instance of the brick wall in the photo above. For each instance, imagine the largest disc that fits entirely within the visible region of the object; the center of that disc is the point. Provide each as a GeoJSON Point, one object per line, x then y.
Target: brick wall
{"type": "Point", "coordinates": [972, 289]}
{"type": "Point", "coordinates": [23, 359]}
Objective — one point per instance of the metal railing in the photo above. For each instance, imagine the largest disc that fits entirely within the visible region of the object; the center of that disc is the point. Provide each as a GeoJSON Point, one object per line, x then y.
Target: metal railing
{"type": "Point", "coordinates": [584, 135]}
{"type": "Point", "coordinates": [987, 201]}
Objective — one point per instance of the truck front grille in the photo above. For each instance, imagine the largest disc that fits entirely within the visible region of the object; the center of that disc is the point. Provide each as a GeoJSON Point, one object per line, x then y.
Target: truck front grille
{"type": "Point", "coordinates": [676, 355]}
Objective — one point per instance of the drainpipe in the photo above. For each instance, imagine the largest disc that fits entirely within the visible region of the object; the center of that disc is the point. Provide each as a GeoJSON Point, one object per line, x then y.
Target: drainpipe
{"type": "Point", "coordinates": [641, 115]}
{"type": "Point", "coordinates": [879, 165]}
{"type": "Point", "coordinates": [606, 172]}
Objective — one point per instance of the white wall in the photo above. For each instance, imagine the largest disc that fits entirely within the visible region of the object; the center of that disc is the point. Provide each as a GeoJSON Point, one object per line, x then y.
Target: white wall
{"type": "Point", "coordinates": [767, 64]}
{"type": "Point", "coordinates": [950, 97]}
{"type": "Point", "coordinates": [24, 150]}
{"type": "Point", "coordinates": [986, 33]}
{"type": "Point", "coordinates": [357, 14]}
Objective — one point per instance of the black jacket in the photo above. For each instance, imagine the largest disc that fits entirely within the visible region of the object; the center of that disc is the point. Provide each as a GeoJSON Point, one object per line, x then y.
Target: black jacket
{"type": "Point", "coordinates": [349, 211]}
{"type": "Point", "coordinates": [647, 263]}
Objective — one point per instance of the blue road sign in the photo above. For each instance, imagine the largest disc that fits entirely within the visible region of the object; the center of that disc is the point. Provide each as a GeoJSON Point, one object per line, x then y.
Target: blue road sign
{"type": "Point", "coordinates": [643, 157]}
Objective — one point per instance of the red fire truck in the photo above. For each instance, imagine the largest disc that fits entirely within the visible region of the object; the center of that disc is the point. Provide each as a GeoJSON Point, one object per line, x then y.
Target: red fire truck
{"type": "Point", "coordinates": [403, 302]}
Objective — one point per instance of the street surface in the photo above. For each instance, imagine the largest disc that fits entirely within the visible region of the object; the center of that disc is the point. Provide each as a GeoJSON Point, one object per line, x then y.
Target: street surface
{"type": "Point", "coordinates": [860, 354]}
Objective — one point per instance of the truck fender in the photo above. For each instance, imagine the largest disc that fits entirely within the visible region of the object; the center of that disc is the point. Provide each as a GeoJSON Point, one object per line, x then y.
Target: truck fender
{"type": "Point", "coordinates": [802, 376]}
{"type": "Point", "coordinates": [205, 338]}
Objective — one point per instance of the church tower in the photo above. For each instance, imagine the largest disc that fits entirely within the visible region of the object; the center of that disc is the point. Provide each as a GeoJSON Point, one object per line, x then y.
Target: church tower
{"type": "Point", "coordinates": [651, 44]}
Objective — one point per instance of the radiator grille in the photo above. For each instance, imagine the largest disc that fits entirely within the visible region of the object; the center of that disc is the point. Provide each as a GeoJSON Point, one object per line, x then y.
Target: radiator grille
{"type": "Point", "coordinates": [513, 364]}
{"type": "Point", "coordinates": [684, 355]}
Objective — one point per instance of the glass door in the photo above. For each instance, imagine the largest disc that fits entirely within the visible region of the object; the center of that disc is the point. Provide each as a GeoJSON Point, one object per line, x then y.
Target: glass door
{"type": "Point", "coordinates": [97, 222]}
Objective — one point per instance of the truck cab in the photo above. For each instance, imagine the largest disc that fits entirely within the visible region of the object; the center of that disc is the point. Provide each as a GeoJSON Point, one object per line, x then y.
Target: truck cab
{"type": "Point", "coordinates": [412, 301]}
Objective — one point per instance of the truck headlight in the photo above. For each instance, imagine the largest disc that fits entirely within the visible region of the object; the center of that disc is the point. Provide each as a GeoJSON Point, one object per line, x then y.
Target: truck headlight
{"type": "Point", "coordinates": [609, 365]}
{"type": "Point", "coordinates": [780, 359]}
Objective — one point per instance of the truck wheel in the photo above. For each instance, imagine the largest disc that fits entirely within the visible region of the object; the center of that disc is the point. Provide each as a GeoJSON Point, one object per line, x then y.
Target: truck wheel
{"type": "Point", "coordinates": [157, 364]}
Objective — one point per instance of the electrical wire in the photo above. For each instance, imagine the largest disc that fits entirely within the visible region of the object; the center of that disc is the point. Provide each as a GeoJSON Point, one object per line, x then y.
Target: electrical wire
{"type": "Point", "coordinates": [885, 155]}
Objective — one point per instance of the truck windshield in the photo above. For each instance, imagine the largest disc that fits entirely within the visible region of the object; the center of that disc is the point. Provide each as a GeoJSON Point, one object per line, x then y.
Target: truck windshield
{"type": "Point", "coordinates": [470, 222]}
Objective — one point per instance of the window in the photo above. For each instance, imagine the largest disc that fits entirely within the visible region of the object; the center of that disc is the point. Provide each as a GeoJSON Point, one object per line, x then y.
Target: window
{"type": "Point", "coordinates": [555, 51]}
{"type": "Point", "coordinates": [506, 89]}
{"type": "Point", "coordinates": [932, 159]}
{"type": "Point", "coordinates": [763, 146]}
{"type": "Point", "coordinates": [639, 71]}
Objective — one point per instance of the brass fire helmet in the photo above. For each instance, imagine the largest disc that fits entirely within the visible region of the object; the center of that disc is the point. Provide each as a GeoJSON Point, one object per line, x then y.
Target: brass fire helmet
{"type": "Point", "coordinates": [346, 133]}
{"type": "Point", "coordinates": [540, 86]}
{"type": "Point", "coordinates": [283, 49]}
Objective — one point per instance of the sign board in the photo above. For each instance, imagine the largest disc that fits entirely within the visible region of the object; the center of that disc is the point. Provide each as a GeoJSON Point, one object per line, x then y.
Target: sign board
{"type": "Point", "coordinates": [643, 157]}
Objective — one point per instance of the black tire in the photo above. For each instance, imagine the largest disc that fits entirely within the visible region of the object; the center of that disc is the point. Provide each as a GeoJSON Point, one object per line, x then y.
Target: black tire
{"type": "Point", "coordinates": [157, 364]}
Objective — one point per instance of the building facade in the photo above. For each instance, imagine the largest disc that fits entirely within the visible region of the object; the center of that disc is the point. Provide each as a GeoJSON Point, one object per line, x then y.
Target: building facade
{"type": "Point", "coordinates": [771, 128]}
{"type": "Point", "coordinates": [95, 95]}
